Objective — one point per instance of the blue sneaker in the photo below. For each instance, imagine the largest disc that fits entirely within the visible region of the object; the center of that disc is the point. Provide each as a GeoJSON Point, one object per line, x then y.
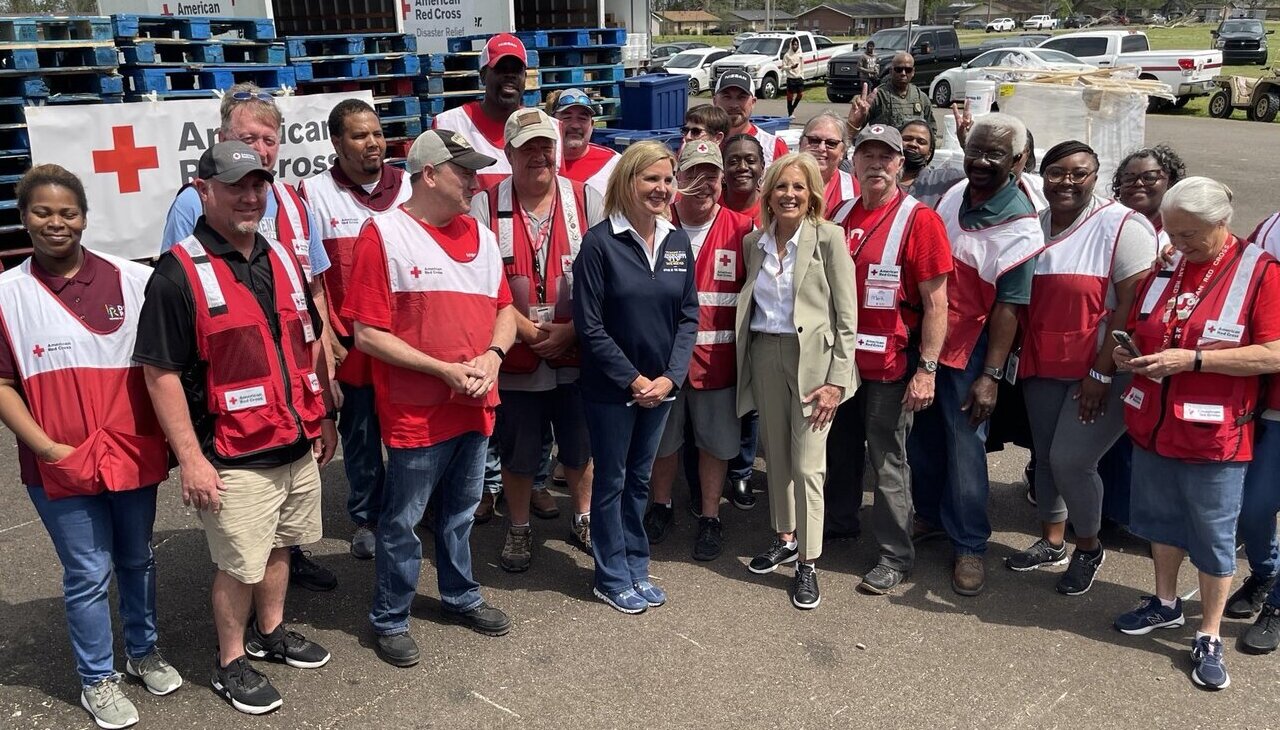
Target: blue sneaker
{"type": "Point", "coordinates": [1210, 670]}
{"type": "Point", "coordinates": [652, 594]}
{"type": "Point", "coordinates": [626, 601]}
{"type": "Point", "coordinates": [1150, 616]}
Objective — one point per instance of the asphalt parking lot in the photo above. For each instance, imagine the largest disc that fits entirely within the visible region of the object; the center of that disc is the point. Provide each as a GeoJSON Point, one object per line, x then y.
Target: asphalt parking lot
{"type": "Point", "coordinates": [727, 651]}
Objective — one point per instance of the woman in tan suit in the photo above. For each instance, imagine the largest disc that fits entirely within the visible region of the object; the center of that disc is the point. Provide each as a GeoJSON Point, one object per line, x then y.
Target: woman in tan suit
{"type": "Point", "coordinates": [796, 326]}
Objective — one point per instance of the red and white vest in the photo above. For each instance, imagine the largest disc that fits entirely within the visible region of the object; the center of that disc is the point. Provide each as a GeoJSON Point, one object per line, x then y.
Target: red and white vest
{"type": "Point", "coordinates": [552, 287]}
{"type": "Point", "coordinates": [1198, 416]}
{"type": "Point", "coordinates": [341, 215]}
{"type": "Point", "coordinates": [1267, 235]}
{"type": "Point", "coordinates": [595, 177]}
{"type": "Point", "coordinates": [263, 393]}
{"type": "Point", "coordinates": [981, 257]}
{"type": "Point", "coordinates": [1069, 297]}
{"type": "Point", "coordinates": [1033, 186]}
{"type": "Point", "coordinates": [719, 273]}
{"type": "Point", "coordinates": [461, 119]}
{"type": "Point", "coordinates": [292, 225]}
{"type": "Point", "coordinates": [83, 387]}
{"type": "Point", "coordinates": [841, 188]}
{"type": "Point", "coordinates": [772, 147]}
{"type": "Point", "coordinates": [440, 306]}
{"type": "Point", "coordinates": [882, 333]}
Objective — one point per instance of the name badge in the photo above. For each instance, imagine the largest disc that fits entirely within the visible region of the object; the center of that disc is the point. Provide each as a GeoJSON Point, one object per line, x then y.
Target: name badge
{"type": "Point", "coordinates": [1200, 412]}
{"type": "Point", "coordinates": [872, 343]}
{"type": "Point", "coordinates": [566, 264]}
{"type": "Point", "coordinates": [726, 264]}
{"type": "Point", "coordinates": [884, 272]}
{"type": "Point", "coordinates": [308, 333]}
{"type": "Point", "coordinates": [879, 297]}
{"type": "Point", "coordinates": [1133, 398]}
{"type": "Point", "coordinates": [1223, 331]}
{"type": "Point", "coordinates": [239, 400]}
{"type": "Point", "coordinates": [1011, 368]}
{"type": "Point", "coordinates": [300, 301]}
{"type": "Point", "coordinates": [314, 381]}
{"type": "Point", "coordinates": [301, 247]}
{"type": "Point", "coordinates": [541, 313]}
{"type": "Point", "coordinates": [675, 261]}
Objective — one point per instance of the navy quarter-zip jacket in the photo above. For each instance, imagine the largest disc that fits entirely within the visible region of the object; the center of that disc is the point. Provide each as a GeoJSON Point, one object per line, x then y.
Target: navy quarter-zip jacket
{"type": "Point", "coordinates": [630, 320]}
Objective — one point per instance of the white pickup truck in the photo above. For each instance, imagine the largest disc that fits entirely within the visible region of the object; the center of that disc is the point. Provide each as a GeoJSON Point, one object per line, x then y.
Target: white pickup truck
{"type": "Point", "coordinates": [1040, 22]}
{"type": "Point", "coordinates": [760, 56]}
{"type": "Point", "coordinates": [1187, 73]}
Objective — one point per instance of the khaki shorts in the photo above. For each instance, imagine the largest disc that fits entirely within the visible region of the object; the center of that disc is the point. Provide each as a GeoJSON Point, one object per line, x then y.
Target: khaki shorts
{"type": "Point", "coordinates": [263, 509]}
{"type": "Point", "coordinates": [716, 428]}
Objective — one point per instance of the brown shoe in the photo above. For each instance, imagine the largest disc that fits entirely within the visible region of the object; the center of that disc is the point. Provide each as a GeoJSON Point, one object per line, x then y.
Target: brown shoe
{"type": "Point", "coordinates": [969, 576]}
{"type": "Point", "coordinates": [543, 505]}
{"type": "Point", "coordinates": [484, 511]}
{"type": "Point", "coordinates": [922, 531]}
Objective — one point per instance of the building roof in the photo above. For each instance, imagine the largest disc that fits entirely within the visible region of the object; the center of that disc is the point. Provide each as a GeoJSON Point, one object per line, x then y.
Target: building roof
{"type": "Point", "coordinates": [861, 9]}
{"type": "Point", "coordinates": [688, 16]}
{"type": "Point", "coordinates": [752, 16]}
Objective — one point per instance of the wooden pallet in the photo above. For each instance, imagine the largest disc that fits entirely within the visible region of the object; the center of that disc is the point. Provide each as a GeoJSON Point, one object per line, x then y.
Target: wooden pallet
{"type": "Point", "coordinates": [128, 25]}
{"type": "Point", "coordinates": [84, 82]}
{"type": "Point", "coordinates": [202, 82]}
{"type": "Point", "coordinates": [328, 46]}
{"type": "Point", "coordinates": [556, 77]}
{"type": "Point", "coordinates": [49, 29]}
{"type": "Point", "coordinates": [180, 52]}
{"type": "Point", "coordinates": [36, 56]}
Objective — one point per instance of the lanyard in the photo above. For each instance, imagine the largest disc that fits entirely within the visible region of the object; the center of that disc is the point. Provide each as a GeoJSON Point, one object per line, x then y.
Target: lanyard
{"type": "Point", "coordinates": [886, 215]}
{"type": "Point", "coordinates": [1178, 309]}
{"type": "Point", "coordinates": [539, 232]}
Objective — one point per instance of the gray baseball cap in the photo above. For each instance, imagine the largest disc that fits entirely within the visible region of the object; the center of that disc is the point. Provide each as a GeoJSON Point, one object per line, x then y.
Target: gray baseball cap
{"type": "Point", "coordinates": [228, 162]}
{"type": "Point", "coordinates": [438, 146]}
{"type": "Point", "coordinates": [881, 133]}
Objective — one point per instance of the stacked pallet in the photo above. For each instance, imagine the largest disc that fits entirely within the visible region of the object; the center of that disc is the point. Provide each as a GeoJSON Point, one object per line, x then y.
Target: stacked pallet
{"type": "Point", "coordinates": [452, 79]}
{"type": "Point", "coordinates": [46, 60]}
{"type": "Point", "coordinates": [383, 63]}
{"type": "Point", "coordinates": [168, 57]}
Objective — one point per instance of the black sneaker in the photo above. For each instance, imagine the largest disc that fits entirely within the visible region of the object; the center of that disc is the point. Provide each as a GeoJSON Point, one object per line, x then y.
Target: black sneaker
{"type": "Point", "coordinates": [247, 689]}
{"type": "Point", "coordinates": [710, 543]}
{"type": "Point", "coordinates": [307, 573]}
{"type": "Point", "coordinates": [1081, 572]}
{"type": "Point", "coordinates": [804, 590]}
{"type": "Point", "coordinates": [398, 650]}
{"type": "Point", "coordinates": [741, 495]}
{"type": "Point", "coordinates": [882, 579]}
{"type": "Point", "coordinates": [1264, 635]}
{"type": "Point", "coordinates": [483, 619]}
{"type": "Point", "coordinates": [657, 521]}
{"type": "Point", "coordinates": [284, 646]}
{"type": "Point", "coordinates": [1249, 597]}
{"type": "Point", "coordinates": [777, 554]}
{"type": "Point", "coordinates": [1041, 554]}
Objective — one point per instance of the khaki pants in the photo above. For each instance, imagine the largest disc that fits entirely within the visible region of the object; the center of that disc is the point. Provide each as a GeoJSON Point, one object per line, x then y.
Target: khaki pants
{"type": "Point", "coordinates": [797, 456]}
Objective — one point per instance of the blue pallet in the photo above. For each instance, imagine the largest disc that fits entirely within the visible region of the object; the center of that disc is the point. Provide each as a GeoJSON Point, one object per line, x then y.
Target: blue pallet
{"type": "Point", "coordinates": [379, 87]}
{"type": "Point", "coordinates": [15, 140]}
{"type": "Point", "coordinates": [607, 89]}
{"type": "Point", "coordinates": [400, 106]}
{"type": "Point", "coordinates": [179, 52]}
{"type": "Point", "coordinates": [457, 99]}
{"type": "Point", "coordinates": [573, 38]}
{"type": "Point", "coordinates": [81, 82]}
{"type": "Point", "coordinates": [584, 56]}
{"type": "Point", "coordinates": [31, 57]}
{"type": "Point", "coordinates": [429, 86]}
{"type": "Point", "coordinates": [431, 106]}
{"type": "Point", "coordinates": [327, 46]}
{"type": "Point", "coordinates": [464, 61]}
{"type": "Point", "coordinates": [47, 29]}
{"type": "Point", "coordinates": [128, 25]}
{"type": "Point", "coordinates": [623, 138]}
{"type": "Point", "coordinates": [85, 98]}
{"type": "Point", "coordinates": [401, 127]}
{"type": "Point", "coordinates": [358, 67]}
{"type": "Point", "coordinates": [197, 83]}
{"type": "Point", "coordinates": [584, 75]}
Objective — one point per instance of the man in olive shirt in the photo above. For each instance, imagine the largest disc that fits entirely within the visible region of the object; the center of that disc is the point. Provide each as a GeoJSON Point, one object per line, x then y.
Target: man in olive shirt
{"type": "Point", "coordinates": [894, 103]}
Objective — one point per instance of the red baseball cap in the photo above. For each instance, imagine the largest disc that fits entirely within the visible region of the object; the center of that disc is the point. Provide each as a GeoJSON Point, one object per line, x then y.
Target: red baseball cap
{"type": "Point", "coordinates": [501, 46]}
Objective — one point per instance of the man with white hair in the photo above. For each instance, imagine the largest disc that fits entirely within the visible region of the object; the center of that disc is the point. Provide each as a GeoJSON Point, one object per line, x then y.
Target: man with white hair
{"type": "Point", "coordinates": [995, 236]}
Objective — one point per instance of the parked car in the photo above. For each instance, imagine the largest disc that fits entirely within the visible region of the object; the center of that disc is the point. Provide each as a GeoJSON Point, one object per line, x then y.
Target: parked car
{"type": "Point", "coordinates": [1242, 40]}
{"type": "Point", "coordinates": [1078, 21]}
{"type": "Point", "coordinates": [950, 85]}
{"type": "Point", "coordinates": [1001, 25]}
{"type": "Point", "coordinates": [739, 38]}
{"type": "Point", "coordinates": [696, 64]}
{"type": "Point", "coordinates": [935, 48]}
{"type": "Point", "coordinates": [1026, 40]}
{"type": "Point", "coordinates": [760, 56]}
{"type": "Point", "coordinates": [660, 54]}
{"type": "Point", "coordinates": [973, 24]}
{"type": "Point", "coordinates": [1188, 73]}
{"type": "Point", "coordinates": [1040, 22]}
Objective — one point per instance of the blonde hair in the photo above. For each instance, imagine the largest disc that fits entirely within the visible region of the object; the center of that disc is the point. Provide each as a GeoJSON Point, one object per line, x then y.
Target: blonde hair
{"type": "Point", "coordinates": [812, 180]}
{"type": "Point", "coordinates": [618, 197]}
{"type": "Point", "coordinates": [264, 111]}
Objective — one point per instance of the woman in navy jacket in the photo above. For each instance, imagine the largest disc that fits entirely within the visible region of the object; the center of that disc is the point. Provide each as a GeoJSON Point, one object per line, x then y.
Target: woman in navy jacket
{"type": "Point", "coordinates": [635, 309]}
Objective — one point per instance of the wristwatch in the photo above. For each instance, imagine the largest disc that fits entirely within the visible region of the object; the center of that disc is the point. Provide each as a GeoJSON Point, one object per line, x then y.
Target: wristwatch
{"type": "Point", "coordinates": [929, 366]}
{"type": "Point", "coordinates": [996, 374]}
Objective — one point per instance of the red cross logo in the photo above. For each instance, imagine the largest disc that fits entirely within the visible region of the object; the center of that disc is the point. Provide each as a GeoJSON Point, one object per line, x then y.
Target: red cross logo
{"type": "Point", "coordinates": [1212, 329]}
{"type": "Point", "coordinates": [875, 272]}
{"type": "Point", "coordinates": [333, 222]}
{"type": "Point", "coordinates": [861, 341]}
{"type": "Point", "coordinates": [125, 159]}
{"type": "Point", "coordinates": [416, 272]}
{"type": "Point", "coordinates": [38, 351]}
{"type": "Point", "coordinates": [232, 400]}
{"type": "Point", "coordinates": [405, 7]}
{"type": "Point", "coordinates": [724, 259]}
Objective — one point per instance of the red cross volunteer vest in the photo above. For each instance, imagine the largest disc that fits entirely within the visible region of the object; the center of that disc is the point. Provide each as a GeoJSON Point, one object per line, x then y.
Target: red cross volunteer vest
{"type": "Point", "coordinates": [594, 170]}
{"type": "Point", "coordinates": [1267, 235]}
{"type": "Point", "coordinates": [719, 272]}
{"type": "Point", "coordinates": [841, 188]}
{"type": "Point", "coordinates": [292, 225]}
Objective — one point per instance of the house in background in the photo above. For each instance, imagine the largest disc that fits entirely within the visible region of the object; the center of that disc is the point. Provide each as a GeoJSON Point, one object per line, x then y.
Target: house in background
{"type": "Point", "coordinates": [738, 21]}
{"type": "Point", "coordinates": [850, 19]}
{"type": "Point", "coordinates": [686, 22]}
{"type": "Point", "coordinates": [1019, 10]}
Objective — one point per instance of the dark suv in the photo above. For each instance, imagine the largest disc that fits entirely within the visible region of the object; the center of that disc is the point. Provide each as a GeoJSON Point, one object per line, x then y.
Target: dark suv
{"type": "Point", "coordinates": [1242, 40]}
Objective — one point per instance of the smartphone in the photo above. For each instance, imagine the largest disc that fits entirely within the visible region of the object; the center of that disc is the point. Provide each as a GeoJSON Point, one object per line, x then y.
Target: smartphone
{"type": "Point", "coordinates": [1126, 342]}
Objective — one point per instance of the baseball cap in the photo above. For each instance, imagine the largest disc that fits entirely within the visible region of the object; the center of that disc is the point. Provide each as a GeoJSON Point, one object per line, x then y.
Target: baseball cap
{"type": "Point", "coordinates": [501, 46]}
{"type": "Point", "coordinates": [229, 162]}
{"type": "Point", "coordinates": [734, 78]}
{"type": "Point", "coordinates": [526, 124]}
{"type": "Point", "coordinates": [880, 133]}
{"type": "Point", "coordinates": [699, 152]}
{"type": "Point", "coordinates": [574, 97]}
{"type": "Point", "coordinates": [438, 146]}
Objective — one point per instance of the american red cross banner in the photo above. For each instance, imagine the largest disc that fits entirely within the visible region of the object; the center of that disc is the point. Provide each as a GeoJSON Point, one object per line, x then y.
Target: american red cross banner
{"type": "Point", "coordinates": [134, 158]}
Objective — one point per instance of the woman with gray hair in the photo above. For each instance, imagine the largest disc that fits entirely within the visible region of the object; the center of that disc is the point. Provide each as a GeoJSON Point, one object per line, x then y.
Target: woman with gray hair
{"type": "Point", "coordinates": [826, 138]}
{"type": "Point", "coordinates": [1203, 334]}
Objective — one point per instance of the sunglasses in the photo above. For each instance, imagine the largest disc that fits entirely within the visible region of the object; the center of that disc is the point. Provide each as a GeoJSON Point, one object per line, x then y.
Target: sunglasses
{"type": "Point", "coordinates": [904, 69]}
{"type": "Point", "coordinates": [573, 100]}
{"type": "Point", "coordinates": [817, 141]}
{"type": "Point", "coordinates": [250, 95]}
{"type": "Point", "coordinates": [695, 131]}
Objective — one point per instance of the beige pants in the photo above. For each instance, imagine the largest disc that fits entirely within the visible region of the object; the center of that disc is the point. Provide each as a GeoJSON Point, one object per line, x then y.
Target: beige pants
{"type": "Point", "coordinates": [796, 455]}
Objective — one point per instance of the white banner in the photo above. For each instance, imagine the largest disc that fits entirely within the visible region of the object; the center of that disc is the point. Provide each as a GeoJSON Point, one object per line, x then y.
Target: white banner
{"type": "Point", "coordinates": [434, 22]}
{"type": "Point", "coordinates": [134, 158]}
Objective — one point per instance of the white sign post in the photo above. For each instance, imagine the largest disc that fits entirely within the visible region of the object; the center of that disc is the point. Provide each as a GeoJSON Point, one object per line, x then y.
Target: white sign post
{"type": "Point", "coordinates": [912, 13]}
{"type": "Point", "coordinates": [134, 158]}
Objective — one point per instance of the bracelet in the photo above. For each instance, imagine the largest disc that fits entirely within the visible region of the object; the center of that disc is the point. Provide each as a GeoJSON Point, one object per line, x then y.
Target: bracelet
{"type": "Point", "coordinates": [1101, 378]}
{"type": "Point", "coordinates": [1199, 360]}
{"type": "Point", "coordinates": [497, 351]}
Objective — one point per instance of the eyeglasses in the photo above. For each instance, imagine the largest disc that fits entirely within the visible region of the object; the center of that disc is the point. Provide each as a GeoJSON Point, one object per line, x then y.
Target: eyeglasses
{"type": "Point", "coordinates": [904, 69]}
{"type": "Point", "coordinates": [573, 100]}
{"type": "Point", "coordinates": [1056, 175]}
{"type": "Point", "coordinates": [1150, 177]}
{"type": "Point", "coordinates": [695, 131]}
{"type": "Point", "coordinates": [250, 95]}
{"type": "Point", "coordinates": [252, 139]}
{"type": "Point", "coordinates": [993, 156]}
{"type": "Point", "coordinates": [817, 141]}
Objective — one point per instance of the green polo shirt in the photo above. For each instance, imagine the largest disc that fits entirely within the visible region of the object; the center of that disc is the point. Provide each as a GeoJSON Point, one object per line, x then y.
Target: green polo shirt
{"type": "Point", "coordinates": [1009, 202]}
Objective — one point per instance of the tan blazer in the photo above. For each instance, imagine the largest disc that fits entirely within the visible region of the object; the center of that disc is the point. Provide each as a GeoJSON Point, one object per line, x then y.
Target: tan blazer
{"type": "Point", "coordinates": [826, 312]}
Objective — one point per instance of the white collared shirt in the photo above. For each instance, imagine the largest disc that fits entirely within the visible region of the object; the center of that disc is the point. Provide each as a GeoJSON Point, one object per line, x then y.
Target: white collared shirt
{"type": "Point", "coordinates": [619, 223]}
{"type": "Point", "coordinates": [775, 297]}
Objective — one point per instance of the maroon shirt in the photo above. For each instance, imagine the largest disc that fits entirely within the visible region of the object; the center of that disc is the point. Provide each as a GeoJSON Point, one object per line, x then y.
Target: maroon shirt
{"type": "Point", "coordinates": [384, 192]}
{"type": "Point", "coordinates": [94, 295]}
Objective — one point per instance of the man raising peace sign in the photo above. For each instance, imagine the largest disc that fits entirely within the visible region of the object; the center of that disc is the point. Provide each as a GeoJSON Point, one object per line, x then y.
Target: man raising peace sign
{"type": "Point", "coordinates": [893, 103]}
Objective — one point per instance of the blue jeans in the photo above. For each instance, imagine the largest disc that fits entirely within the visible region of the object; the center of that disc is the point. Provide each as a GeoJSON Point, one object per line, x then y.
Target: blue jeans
{"type": "Point", "coordinates": [456, 467]}
{"type": "Point", "coordinates": [92, 535]}
{"type": "Point", "coordinates": [1257, 527]}
{"type": "Point", "coordinates": [361, 454]}
{"type": "Point", "coordinates": [948, 460]}
{"type": "Point", "coordinates": [624, 442]}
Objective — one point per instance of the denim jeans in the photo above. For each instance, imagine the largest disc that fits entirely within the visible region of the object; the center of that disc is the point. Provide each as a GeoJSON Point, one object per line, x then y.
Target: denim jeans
{"type": "Point", "coordinates": [741, 466]}
{"type": "Point", "coordinates": [1257, 526]}
{"type": "Point", "coordinates": [624, 442]}
{"type": "Point", "coordinates": [454, 469]}
{"type": "Point", "coordinates": [94, 535]}
{"type": "Point", "coordinates": [948, 460]}
{"type": "Point", "coordinates": [361, 454]}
